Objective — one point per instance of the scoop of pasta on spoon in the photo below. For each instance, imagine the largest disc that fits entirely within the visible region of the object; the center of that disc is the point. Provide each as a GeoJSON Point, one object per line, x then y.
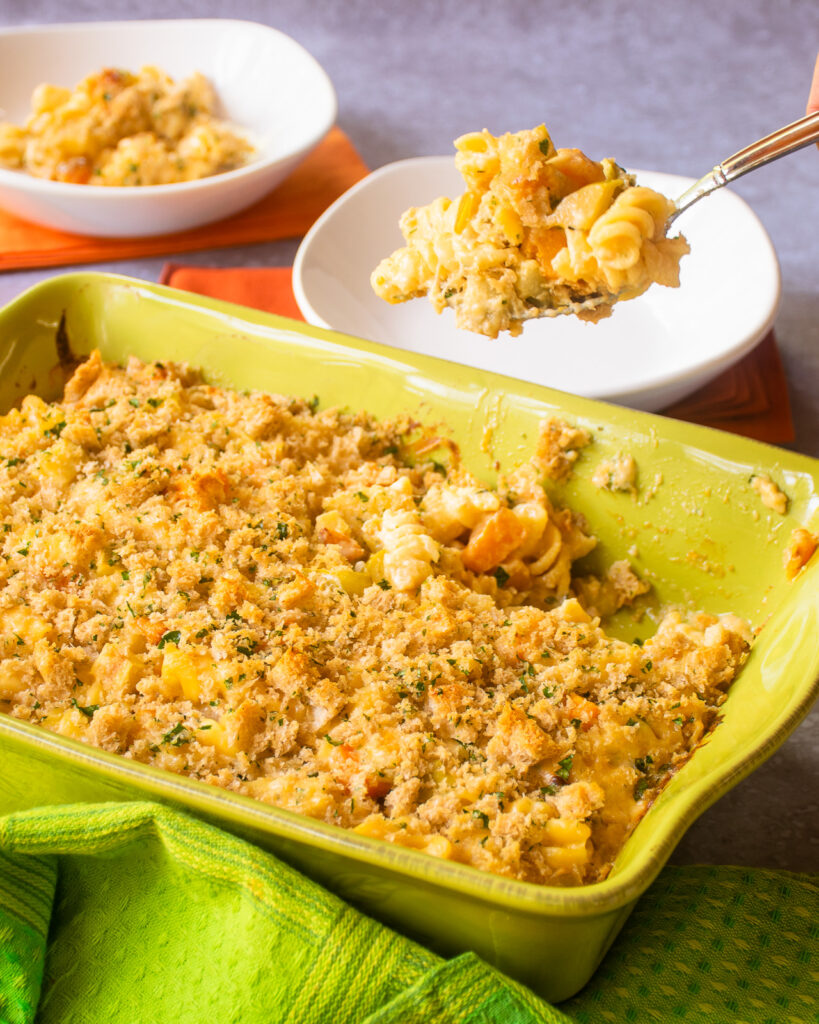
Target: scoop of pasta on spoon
{"type": "Point", "coordinates": [544, 232]}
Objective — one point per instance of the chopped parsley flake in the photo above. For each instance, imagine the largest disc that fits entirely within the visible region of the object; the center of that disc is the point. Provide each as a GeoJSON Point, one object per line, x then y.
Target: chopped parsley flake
{"type": "Point", "coordinates": [175, 737]}
{"type": "Point", "coordinates": [173, 636]}
{"type": "Point", "coordinates": [501, 575]}
{"type": "Point", "coordinates": [88, 711]}
{"type": "Point", "coordinates": [565, 767]}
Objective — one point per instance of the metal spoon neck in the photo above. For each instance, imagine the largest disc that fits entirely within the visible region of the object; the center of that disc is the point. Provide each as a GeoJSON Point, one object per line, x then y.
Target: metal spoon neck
{"type": "Point", "coordinates": [794, 136]}
{"type": "Point", "coordinates": [707, 184]}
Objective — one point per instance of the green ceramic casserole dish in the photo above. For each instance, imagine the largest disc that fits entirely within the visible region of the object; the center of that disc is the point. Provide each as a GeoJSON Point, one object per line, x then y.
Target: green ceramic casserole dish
{"type": "Point", "coordinates": [700, 534]}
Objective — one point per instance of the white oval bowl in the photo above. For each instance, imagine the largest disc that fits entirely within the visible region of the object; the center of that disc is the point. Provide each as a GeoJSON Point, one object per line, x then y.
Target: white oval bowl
{"type": "Point", "coordinates": [651, 352]}
{"type": "Point", "coordinates": [268, 86]}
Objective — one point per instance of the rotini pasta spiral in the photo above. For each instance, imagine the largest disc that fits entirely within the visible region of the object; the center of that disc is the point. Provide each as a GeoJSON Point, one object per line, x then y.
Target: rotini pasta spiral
{"type": "Point", "coordinates": [409, 551]}
{"type": "Point", "coordinates": [616, 237]}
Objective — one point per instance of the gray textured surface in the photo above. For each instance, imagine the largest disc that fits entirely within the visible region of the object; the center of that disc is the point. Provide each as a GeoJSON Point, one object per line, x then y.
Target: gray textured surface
{"type": "Point", "coordinates": [671, 86]}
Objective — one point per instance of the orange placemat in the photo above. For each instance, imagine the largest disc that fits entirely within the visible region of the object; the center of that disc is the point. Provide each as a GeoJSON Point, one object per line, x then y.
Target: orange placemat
{"type": "Point", "coordinates": [287, 212]}
{"type": "Point", "coordinates": [749, 398]}
{"type": "Point", "coordinates": [267, 288]}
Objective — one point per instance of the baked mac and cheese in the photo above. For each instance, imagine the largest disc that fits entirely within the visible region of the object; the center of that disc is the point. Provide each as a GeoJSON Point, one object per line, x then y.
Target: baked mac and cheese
{"type": "Point", "coordinates": [539, 231]}
{"type": "Point", "coordinates": [307, 608]}
{"type": "Point", "coordinates": [119, 128]}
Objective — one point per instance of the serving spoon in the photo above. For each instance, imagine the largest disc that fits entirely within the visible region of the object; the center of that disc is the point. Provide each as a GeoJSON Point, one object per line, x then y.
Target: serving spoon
{"type": "Point", "coordinates": [793, 136]}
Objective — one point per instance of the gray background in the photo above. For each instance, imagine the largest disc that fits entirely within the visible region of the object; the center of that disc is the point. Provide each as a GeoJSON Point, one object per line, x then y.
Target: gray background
{"type": "Point", "coordinates": [669, 86]}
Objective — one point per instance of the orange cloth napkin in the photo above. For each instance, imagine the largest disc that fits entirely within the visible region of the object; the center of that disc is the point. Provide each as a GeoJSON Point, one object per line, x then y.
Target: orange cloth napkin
{"type": "Point", "coordinates": [287, 212]}
{"type": "Point", "coordinates": [750, 398]}
{"type": "Point", "coordinates": [267, 288]}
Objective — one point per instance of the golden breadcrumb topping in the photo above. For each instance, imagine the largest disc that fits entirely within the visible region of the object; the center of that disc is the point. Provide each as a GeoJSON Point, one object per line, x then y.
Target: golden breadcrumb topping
{"type": "Point", "coordinates": [304, 607]}
{"type": "Point", "coordinates": [617, 474]}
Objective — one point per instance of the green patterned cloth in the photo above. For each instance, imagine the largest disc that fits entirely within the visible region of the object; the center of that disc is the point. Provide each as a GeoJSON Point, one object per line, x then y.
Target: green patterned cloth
{"type": "Point", "coordinates": [134, 914]}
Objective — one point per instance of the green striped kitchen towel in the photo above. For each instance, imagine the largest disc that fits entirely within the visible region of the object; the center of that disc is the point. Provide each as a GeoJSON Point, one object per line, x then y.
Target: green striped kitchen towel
{"type": "Point", "coordinates": [134, 914]}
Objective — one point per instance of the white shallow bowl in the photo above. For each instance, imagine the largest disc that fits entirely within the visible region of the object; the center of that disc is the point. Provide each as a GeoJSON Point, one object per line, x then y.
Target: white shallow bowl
{"type": "Point", "coordinates": [267, 84]}
{"type": "Point", "coordinates": [651, 352]}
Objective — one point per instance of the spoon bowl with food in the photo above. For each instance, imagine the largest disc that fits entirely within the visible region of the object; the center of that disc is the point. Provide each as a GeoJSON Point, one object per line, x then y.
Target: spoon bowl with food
{"type": "Point", "coordinates": [538, 232]}
{"type": "Point", "coordinates": [544, 232]}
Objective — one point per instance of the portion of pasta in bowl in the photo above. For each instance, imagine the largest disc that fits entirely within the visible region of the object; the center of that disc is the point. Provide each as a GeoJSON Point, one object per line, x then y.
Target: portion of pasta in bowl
{"type": "Point", "coordinates": [245, 106]}
{"type": "Point", "coordinates": [120, 128]}
{"type": "Point", "coordinates": [326, 613]}
{"type": "Point", "coordinates": [538, 232]}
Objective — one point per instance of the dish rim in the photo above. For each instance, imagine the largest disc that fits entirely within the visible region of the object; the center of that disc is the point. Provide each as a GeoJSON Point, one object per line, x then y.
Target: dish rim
{"type": "Point", "coordinates": [596, 898]}
{"type": "Point", "coordinates": [111, 193]}
{"type": "Point", "coordinates": [709, 367]}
